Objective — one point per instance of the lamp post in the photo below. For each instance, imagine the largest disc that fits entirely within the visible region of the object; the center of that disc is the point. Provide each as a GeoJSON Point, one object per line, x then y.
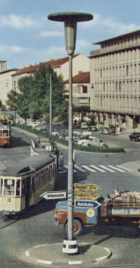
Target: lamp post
{"type": "Point", "coordinates": [50, 104]}
{"type": "Point", "coordinates": [70, 20]}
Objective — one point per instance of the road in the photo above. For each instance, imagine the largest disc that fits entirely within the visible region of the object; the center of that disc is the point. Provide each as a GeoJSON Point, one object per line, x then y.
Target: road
{"type": "Point", "coordinates": [35, 226]}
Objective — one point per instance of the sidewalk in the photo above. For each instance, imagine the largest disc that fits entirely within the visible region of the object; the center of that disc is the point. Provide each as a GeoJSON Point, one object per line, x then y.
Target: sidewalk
{"type": "Point", "coordinates": [51, 254]}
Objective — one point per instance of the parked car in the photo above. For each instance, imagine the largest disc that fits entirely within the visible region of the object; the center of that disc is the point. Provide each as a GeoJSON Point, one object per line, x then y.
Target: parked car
{"type": "Point", "coordinates": [95, 142]}
{"type": "Point", "coordinates": [84, 126]}
{"type": "Point", "coordinates": [105, 130]}
{"type": "Point", "coordinates": [86, 139]}
{"type": "Point", "coordinates": [42, 128]}
{"type": "Point", "coordinates": [93, 128]}
{"type": "Point", "coordinates": [134, 136]}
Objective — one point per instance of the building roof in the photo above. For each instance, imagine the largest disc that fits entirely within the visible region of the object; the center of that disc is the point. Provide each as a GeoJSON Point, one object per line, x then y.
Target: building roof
{"type": "Point", "coordinates": [10, 70]}
{"type": "Point", "coordinates": [53, 63]}
{"type": "Point", "coordinates": [118, 37]}
{"type": "Point", "coordinates": [82, 77]}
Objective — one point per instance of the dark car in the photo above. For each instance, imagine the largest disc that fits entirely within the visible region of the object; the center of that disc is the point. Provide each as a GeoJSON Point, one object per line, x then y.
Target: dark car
{"type": "Point", "coordinates": [135, 136]}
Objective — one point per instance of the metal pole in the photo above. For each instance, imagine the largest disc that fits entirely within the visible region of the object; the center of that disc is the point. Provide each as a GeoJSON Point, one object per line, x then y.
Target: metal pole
{"type": "Point", "coordinates": [50, 104]}
{"type": "Point", "coordinates": [70, 157]}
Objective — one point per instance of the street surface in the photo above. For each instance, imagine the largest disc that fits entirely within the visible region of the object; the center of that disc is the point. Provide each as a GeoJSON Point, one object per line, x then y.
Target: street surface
{"type": "Point", "coordinates": [35, 226]}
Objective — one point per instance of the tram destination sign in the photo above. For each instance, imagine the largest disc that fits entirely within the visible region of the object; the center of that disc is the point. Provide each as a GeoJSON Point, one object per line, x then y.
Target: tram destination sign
{"type": "Point", "coordinates": [86, 187]}
{"type": "Point", "coordinates": [54, 195]}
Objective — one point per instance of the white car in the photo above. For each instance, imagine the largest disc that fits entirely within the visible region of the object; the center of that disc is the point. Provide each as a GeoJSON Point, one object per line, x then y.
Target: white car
{"type": "Point", "coordinates": [94, 142]}
{"type": "Point", "coordinates": [84, 126]}
{"type": "Point", "coordinates": [90, 138]}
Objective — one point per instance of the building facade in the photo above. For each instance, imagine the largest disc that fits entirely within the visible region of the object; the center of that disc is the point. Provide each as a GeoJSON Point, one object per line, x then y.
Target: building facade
{"type": "Point", "coordinates": [81, 94]}
{"type": "Point", "coordinates": [6, 84]}
{"type": "Point", "coordinates": [115, 80]}
{"type": "Point", "coordinates": [60, 66]}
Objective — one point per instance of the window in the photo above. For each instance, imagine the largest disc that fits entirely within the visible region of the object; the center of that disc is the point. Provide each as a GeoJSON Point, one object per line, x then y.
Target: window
{"type": "Point", "coordinates": [84, 89]}
{"type": "Point", "coordinates": [120, 86]}
{"type": "Point", "coordinates": [127, 70]}
{"type": "Point", "coordinates": [23, 187]}
{"type": "Point", "coordinates": [116, 86]}
{"type": "Point", "coordinates": [47, 174]}
{"type": "Point", "coordinates": [33, 183]}
{"type": "Point", "coordinates": [9, 187]}
{"type": "Point", "coordinates": [100, 73]}
{"type": "Point", "coordinates": [15, 85]}
{"type": "Point", "coordinates": [1, 186]}
{"type": "Point", "coordinates": [51, 171]}
{"type": "Point", "coordinates": [104, 86]}
{"type": "Point", "coordinates": [18, 187]}
{"type": "Point", "coordinates": [37, 183]}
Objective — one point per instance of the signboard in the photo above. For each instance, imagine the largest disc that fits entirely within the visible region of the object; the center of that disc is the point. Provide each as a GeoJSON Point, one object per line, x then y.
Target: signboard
{"type": "Point", "coordinates": [54, 195]}
{"type": "Point", "coordinates": [87, 195]}
{"type": "Point", "coordinates": [125, 211]}
{"type": "Point", "coordinates": [86, 187]}
{"type": "Point", "coordinates": [86, 204]}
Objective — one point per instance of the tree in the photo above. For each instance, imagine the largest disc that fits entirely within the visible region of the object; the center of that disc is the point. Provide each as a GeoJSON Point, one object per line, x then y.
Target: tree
{"type": "Point", "coordinates": [63, 113]}
{"type": "Point", "coordinates": [12, 100]}
{"type": "Point", "coordinates": [34, 97]}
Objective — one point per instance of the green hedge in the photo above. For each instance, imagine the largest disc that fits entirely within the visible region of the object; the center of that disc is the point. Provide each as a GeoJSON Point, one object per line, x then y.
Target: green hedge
{"type": "Point", "coordinates": [75, 145]}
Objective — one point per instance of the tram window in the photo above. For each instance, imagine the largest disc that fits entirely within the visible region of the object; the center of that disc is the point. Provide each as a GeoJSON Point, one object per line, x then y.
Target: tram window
{"type": "Point", "coordinates": [5, 133]}
{"type": "Point", "coordinates": [37, 183]}
{"type": "Point", "coordinates": [42, 177]}
{"type": "Point", "coordinates": [0, 133]}
{"type": "Point", "coordinates": [47, 174]}
{"type": "Point", "coordinates": [23, 187]}
{"type": "Point", "coordinates": [9, 187]}
{"type": "Point", "coordinates": [1, 185]}
{"type": "Point", "coordinates": [52, 171]}
{"type": "Point", "coordinates": [33, 183]}
{"type": "Point", "coordinates": [18, 187]}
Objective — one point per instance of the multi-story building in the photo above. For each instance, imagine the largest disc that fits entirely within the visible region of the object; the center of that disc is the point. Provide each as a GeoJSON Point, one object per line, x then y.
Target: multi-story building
{"type": "Point", "coordinates": [115, 81]}
{"type": "Point", "coordinates": [60, 66]}
{"type": "Point", "coordinates": [81, 94]}
{"type": "Point", "coordinates": [6, 84]}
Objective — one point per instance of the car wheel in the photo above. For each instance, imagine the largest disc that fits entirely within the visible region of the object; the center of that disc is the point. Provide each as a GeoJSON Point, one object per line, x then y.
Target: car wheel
{"type": "Point", "coordinates": [104, 146]}
{"type": "Point", "coordinates": [77, 227]}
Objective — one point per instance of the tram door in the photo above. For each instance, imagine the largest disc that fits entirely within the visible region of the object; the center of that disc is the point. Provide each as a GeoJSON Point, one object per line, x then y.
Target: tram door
{"type": "Point", "coordinates": [27, 194]}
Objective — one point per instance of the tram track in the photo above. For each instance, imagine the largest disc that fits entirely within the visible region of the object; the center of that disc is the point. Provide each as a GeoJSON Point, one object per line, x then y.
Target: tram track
{"type": "Point", "coordinates": [6, 221]}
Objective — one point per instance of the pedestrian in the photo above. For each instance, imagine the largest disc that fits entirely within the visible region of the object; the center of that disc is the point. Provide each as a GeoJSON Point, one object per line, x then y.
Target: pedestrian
{"type": "Point", "coordinates": [74, 158]}
{"type": "Point", "coordinates": [61, 161]}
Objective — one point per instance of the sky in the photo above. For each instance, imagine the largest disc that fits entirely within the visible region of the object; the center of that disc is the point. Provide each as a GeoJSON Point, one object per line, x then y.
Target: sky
{"type": "Point", "coordinates": [28, 37]}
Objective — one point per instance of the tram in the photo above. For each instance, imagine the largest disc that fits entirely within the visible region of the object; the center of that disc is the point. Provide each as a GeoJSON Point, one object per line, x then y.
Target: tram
{"type": "Point", "coordinates": [5, 135]}
{"type": "Point", "coordinates": [22, 184]}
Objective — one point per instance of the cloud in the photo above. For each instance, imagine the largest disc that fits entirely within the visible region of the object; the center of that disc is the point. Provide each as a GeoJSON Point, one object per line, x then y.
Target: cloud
{"type": "Point", "coordinates": [109, 25]}
{"type": "Point", "coordinates": [80, 44]}
{"type": "Point", "coordinates": [17, 49]}
{"type": "Point", "coordinates": [51, 34]}
{"type": "Point", "coordinates": [11, 49]}
{"type": "Point", "coordinates": [17, 21]}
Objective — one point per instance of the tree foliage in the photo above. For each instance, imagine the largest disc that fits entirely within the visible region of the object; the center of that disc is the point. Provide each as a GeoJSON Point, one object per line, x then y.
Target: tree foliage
{"type": "Point", "coordinates": [33, 100]}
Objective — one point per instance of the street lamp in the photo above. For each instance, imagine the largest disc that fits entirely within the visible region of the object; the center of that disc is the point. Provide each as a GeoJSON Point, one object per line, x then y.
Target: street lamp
{"type": "Point", "coordinates": [70, 20]}
{"type": "Point", "coordinates": [50, 104]}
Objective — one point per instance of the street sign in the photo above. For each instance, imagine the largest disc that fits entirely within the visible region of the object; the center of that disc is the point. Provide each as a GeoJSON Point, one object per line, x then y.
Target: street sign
{"type": "Point", "coordinates": [86, 204]}
{"type": "Point", "coordinates": [86, 196]}
{"type": "Point", "coordinates": [86, 187]}
{"type": "Point", "coordinates": [54, 195]}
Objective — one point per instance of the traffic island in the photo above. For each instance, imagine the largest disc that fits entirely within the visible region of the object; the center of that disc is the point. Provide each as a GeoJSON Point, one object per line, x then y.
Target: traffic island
{"type": "Point", "coordinates": [51, 254]}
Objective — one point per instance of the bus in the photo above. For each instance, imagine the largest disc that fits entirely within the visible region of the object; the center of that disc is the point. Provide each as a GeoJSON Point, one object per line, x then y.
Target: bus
{"type": "Point", "coordinates": [22, 183]}
{"type": "Point", "coordinates": [5, 135]}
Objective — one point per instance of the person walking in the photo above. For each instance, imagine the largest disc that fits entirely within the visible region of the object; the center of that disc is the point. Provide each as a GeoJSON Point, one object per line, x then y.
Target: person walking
{"type": "Point", "coordinates": [74, 158]}
{"type": "Point", "coordinates": [61, 161]}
